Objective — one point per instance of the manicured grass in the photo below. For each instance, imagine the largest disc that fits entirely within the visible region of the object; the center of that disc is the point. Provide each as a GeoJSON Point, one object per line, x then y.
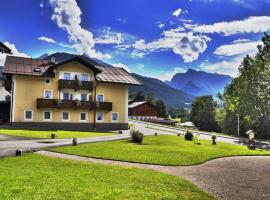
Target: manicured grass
{"type": "Point", "coordinates": [47, 134]}
{"type": "Point", "coordinates": [43, 178]}
{"type": "Point", "coordinates": [164, 150]}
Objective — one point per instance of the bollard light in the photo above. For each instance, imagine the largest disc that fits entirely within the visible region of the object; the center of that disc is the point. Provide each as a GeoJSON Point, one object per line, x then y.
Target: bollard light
{"type": "Point", "coordinates": [178, 134]}
{"type": "Point", "coordinates": [53, 136]}
{"type": "Point", "coordinates": [18, 152]}
{"type": "Point", "coordinates": [74, 142]}
{"type": "Point", "coordinates": [120, 132]}
{"type": "Point", "coordinates": [155, 133]}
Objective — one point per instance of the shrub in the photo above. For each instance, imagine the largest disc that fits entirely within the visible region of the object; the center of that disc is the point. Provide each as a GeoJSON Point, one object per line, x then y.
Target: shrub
{"type": "Point", "coordinates": [189, 136]}
{"type": "Point", "coordinates": [136, 136]}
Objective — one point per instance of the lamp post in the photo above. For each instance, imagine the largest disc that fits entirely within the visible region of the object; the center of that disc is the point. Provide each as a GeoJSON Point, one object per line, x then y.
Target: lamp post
{"type": "Point", "coordinates": [238, 125]}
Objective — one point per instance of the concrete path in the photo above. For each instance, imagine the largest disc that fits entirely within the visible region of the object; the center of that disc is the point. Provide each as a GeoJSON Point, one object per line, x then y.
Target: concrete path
{"type": "Point", "coordinates": [233, 178]}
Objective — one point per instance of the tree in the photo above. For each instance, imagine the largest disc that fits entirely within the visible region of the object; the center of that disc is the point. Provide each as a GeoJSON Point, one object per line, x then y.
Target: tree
{"type": "Point", "coordinates": [203, 113]}
{"type": "Point", "coordinates": [161, 108]}
{"type": "Point", "coordinates": [181, 113]}
{"type": "Point", "coordinates": [150, 97]}
{"type": "Point", "coordinates": [137, 96]}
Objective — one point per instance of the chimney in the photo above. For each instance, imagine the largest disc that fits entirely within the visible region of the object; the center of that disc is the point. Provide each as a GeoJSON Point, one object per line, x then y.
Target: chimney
{"type": "Point", "coordinates": [53, 59]}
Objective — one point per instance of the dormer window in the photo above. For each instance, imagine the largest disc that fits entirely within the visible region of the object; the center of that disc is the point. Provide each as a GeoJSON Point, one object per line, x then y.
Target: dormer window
{"type": "Point", "coordinates": [84, 77]}
{"type": "Point", "coordinates": [67, 76]}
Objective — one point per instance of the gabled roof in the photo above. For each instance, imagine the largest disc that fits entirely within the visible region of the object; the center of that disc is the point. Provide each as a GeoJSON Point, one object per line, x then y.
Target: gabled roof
{"type": "Point", "coordinates": [138, 103]}
{"type": "Point", "coordinates": [4, 49]}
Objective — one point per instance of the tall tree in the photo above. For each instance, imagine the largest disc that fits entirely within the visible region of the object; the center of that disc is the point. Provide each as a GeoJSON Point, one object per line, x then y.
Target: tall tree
{"type": "Point", "coordinates": [203, 113]}
{"type": "Point", "coordinates": [150, 97]}
{"type": "Point", "coordinates": [162, 112]}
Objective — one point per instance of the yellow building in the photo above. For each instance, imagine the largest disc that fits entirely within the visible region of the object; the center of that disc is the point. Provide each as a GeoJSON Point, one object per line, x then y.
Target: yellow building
{"type": "Point", "coordinates": [76, 94]}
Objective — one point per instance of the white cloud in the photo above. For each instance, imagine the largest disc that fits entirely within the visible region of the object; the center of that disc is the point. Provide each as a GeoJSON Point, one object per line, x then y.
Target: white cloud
{"type": "Point", "coordinates": [237, 48]}
{"type": "Point", "coordinates": [255, 24]}
{"type": "Point", "coordinates": [241, 40]}
{"type": "Point", "coordinates": [110, 39]}
{"type": "Point", "coordinates": [46, 39]}
{"type": "Point", "coordinates": [161, 26]}
{"type": "Point", "coordinates": [41, 5]}
{"type": "Point", "coordinates": [227, 67]}
{"type": "Point", "coordinates": [67, 15]}
{"type": "Point", "coordinates": [185, 44]}
{"type": "Point", "coordinates": [121, 65]}
{"type": "Point", "coordinates": [177, 12]}
{"type": "Point", "coordinates": [167, 76]}
{"type": "Point", "coordinates": [14, 50]}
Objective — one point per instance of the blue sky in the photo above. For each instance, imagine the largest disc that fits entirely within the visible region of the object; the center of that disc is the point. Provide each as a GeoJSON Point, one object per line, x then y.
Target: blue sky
{"type": "Point", "coordinates": [155, 38]}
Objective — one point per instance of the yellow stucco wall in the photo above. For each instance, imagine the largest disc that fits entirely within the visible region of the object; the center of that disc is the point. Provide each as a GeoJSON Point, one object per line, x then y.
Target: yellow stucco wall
{"type": "Point", "coordinates": [29, 88]}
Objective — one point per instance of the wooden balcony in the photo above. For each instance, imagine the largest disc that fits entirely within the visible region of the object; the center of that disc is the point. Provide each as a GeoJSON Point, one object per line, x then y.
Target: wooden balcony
{"type": "Point", "coordinates": [75, 84]}
{"type": "Point", "coordinates": [73, 104]}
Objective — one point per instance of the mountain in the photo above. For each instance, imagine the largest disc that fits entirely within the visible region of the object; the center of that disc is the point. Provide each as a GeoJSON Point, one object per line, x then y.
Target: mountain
{"type": "Point", "coordinates": [199, 83]}
{"type": "Point", "coordinates": [43, 56]}
{"type": "Point", "coordinates": [172, 97]}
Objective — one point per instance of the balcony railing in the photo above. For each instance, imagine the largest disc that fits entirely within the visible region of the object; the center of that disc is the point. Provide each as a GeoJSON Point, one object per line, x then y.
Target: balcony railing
{"type": "Point", "coordinates": [75, 84]}
{"type": "Point", "coordinates": [73, 104]}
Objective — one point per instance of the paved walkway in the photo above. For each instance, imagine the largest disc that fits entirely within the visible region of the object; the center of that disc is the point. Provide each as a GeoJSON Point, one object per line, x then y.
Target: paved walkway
{"type": "Point", "coordinates": [233, 178]}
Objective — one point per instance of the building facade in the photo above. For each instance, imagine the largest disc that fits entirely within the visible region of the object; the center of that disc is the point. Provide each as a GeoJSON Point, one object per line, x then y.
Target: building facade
{"type": "Point", "coordinates": [142, 110]}
{"type": "Point", "coordinates": [70, 95]}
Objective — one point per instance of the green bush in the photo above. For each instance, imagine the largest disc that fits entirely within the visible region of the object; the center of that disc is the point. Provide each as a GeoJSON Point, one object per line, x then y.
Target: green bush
{"type": "Point", "coordinates": [136, 136]}
{"type": "Point", "coordinates": [189, 136]}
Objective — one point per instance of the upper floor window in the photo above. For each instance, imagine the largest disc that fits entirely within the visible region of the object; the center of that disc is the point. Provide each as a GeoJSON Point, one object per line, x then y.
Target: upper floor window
{"type": "Point", "coordinates": [48, 94]}
{"type": "Point", "coordinates": [67, 76]}
{"type": "Point", "coordinates": [66, 96]}
{"type": "Point", "coordinates": [100, 98]}
{"type": "Point", "coordinates": [84, 77]}
{"type": "Point", "coordinates": [83, 97]}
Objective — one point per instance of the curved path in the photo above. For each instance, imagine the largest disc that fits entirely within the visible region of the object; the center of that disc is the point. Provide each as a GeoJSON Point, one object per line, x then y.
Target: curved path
{"type": "Point", "coordinates": [232, 178]}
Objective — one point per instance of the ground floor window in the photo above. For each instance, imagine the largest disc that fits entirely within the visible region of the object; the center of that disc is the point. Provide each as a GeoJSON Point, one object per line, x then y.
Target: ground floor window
{"type": "Point", "coordinates": [28, 115]}
{"type": "Point", "coordinates": [99, 116]}
{"type": "Point", "coordinates": [47, 116]}
{"type": "Point", "coordinates": [114, 117]}
{"type": "Point", "coordinates": [83, 116]}
{"type": "Point", "coordinates": [65, 116]}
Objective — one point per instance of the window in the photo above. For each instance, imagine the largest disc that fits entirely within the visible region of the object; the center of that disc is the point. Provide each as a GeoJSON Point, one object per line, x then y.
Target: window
{"type": "Point", "coordinates": [100, 98]}
{"type": "Point", "coordinates": [67, 76]}
{"type": "Point", "coordinates": [47, 116]}
{"type": "Point", "coordinates": [83, 116]}
{"type": "Point", "coordinates": [48, 94]}
{"type": "Point", "coordinates": [83, 97]}
{"type": "Point", "coordinates": [114, 117]}
{"type": "Point", "coordinates": [84, 77]}
{"type": "Point", "coordinates": [28, 115]}
{"type": "Point", "coordinates": [66, 96]}
{"type": "Point", "coordinates": [47, 81]}
{"type": "Point", "coordinates": [99, 116]}
{"type": "Point", "coordinates": [65, 116]}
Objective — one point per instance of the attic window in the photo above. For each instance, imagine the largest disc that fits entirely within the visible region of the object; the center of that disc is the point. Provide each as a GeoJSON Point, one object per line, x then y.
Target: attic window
{"type": "Point", "coordinates": [37, 70]}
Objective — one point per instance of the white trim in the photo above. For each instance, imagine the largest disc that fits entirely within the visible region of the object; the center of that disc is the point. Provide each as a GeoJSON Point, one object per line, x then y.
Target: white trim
{"type": "Point", "coordinates": [101, 95]}
{"type": "Point", "coordinates": [48, 91]}
{"type": "Point", "coordinates": [47, 120]}
{"type": "Point", "coordinates": [102, 117]}
{"type": "Point", "coordinates": [32, 115]}
{"type": "Point", "coordinates": [126, 106]}
{"type": "Point", "coordinates": [13, 107]}
{"type": "Point", "coordinates": [49, 80]}
{"type": "Point", "coordinates": [86, 115]}
{"type": "Point", "coordinates": [117, 116]}
{"type": "Point", "coordinates": [65, 120]}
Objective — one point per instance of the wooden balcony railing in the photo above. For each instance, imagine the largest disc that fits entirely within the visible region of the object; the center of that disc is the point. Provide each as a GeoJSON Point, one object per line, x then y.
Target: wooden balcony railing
{"type": "Point", "coordinates": [75, 84]}
{"type": "Point", "coordinates": [73, 104]}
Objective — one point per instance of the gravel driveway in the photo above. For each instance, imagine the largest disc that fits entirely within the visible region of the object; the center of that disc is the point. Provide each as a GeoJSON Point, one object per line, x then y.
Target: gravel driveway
{"type": "Point", "coordinates": [232, 178]}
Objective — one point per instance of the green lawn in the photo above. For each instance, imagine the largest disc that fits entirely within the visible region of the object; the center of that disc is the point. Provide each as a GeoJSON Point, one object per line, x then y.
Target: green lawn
{"type": "Point", "coordinates": [164, 150]}
{"type": "Point", "coordinates": [47, 134]}
{"type": "Point", "coordinates": [43, 178]}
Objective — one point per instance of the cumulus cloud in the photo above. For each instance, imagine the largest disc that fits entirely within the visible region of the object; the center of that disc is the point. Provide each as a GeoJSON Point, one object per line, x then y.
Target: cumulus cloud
{"type": "Point", "coordinates": [186, 44]}
{"type": "Point", "coordinates": [46, 39]}
{"type": "Point", "coordinates": [67, 15]}
{"type": "Point", "coordinates": [255, 24]}
{"type": "Point", "coordinates": [121, 65]}
{"type": "Point", "coordinates": [177, 12]}
{"type": "Point", "coordinates": [239, 47]}
{"type": "Point", "coordinates": [110, 39]}
{"type": "Point", "coordinates": [14, 50]}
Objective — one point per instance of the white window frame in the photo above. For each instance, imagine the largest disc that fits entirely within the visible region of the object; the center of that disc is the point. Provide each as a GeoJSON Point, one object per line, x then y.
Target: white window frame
{"type": "Point", "coordinates": [86, 117]}
{"type": "Point", "coordinates": [47, 120]}
{"type": "Point", "coordinates": [50, 81]}
{"type": "Point", "coordinates": [102, 117]}
{"type": "Point", "coordinates": [87, 77]}
{"type": "Point", "coordinates": [65, 77]}
{"type": "Point", "coordinates": [98, 94]}
{"type": "Point", "coordinates": [68, 95]}
{"type": "Point", "coordinates": [117, 116]}
{"type": "Point", "coordinates": [48, 91]}
{"type": "Point", "coordinates": [65, 120]}
{"type": "Point", "coordinates": [83, 94]}
{"type": "Point", "coordinates": [24, 115]}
